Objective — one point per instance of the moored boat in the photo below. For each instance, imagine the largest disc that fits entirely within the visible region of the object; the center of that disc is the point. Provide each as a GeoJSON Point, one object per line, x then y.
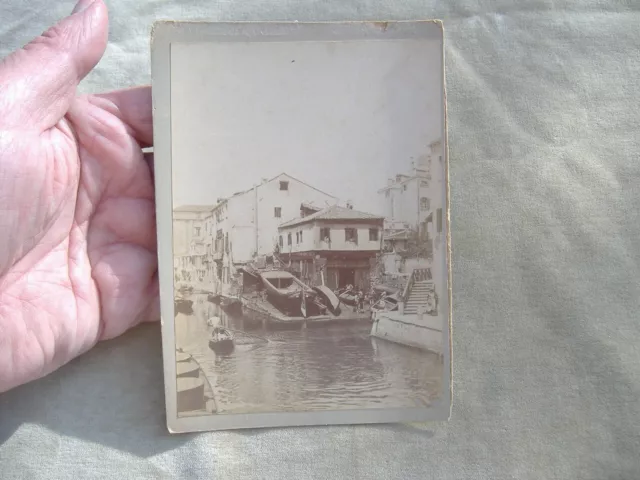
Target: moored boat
{"type": "Point", "coordinates": [348, 296]}
{"type": "Point", "coordinates": [214, 298]}
{"type": "Point", "coordinates": [332, 300]}
{"type": "Point", "coordinates": [388, 303]}
{"type": "Point", "coordinates": [293, 297]}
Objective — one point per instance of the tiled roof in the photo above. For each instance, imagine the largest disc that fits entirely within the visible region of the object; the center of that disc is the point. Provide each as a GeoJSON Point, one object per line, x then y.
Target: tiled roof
{"type": "Point", "coordinates": [333, 213]}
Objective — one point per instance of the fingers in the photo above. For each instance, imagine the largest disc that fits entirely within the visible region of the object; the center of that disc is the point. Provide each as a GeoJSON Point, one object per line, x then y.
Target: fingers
{"type": "Point", "coordinates": [133, 107]}
{"type": "Point", "coordinates": [38, 82]}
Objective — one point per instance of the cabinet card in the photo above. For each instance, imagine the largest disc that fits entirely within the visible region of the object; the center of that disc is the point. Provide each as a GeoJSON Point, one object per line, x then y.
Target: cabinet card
{"type": "Point", "coordinates": [303, 231]}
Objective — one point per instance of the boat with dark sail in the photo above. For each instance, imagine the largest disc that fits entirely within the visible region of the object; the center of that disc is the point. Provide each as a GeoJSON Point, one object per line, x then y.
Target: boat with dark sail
{"type": "Point", "coordinates": [222, 341]}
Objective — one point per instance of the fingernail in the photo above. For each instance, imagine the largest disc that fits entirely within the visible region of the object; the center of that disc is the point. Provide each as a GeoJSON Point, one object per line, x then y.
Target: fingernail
{"type": "Point", "coordinates": [82, 5]}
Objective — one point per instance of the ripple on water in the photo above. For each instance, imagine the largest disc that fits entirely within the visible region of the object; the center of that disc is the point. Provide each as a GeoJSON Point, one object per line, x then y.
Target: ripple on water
{"type": "Point", "coordinates": [329, 368]}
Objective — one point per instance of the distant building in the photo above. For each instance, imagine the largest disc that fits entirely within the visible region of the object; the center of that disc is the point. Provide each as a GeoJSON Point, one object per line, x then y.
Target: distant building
{"type": "Point", "coordinates": [435, 222]}
{"type": "Point", "coordinates": [415, 198]}
{"type": "Point", "coordinates": [336, 246]}
{"type": "Point", "coordinates": [191, 244]}
{"type": "Point", "coordinates": [397, 241]}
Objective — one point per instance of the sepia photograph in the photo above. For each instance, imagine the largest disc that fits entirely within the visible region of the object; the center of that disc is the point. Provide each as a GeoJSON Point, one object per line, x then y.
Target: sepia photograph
{"type": "Point", "coordinates": [303, 223]}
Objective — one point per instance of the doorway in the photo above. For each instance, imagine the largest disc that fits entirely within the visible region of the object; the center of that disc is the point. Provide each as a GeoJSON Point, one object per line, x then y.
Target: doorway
{"type": "Point", "coordinates": [346, 276]}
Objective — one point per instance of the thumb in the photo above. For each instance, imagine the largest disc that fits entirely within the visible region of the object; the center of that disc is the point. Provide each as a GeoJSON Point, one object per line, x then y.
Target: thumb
{"type": "Point", "coordinates": [39, 81]}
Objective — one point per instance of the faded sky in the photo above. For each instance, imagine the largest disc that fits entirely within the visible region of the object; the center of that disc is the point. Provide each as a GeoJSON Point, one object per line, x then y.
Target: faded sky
{"type": "Point", "coordinates": [341, 116]}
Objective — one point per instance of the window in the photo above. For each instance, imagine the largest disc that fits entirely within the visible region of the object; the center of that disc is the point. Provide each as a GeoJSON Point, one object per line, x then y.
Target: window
{"type": "Point", "coordinates": [300, 236]}
{"type": "Point", "coordinates": [404, 187]}
{"type": "Point", "coordinates": [351, 235]}
{"type": "Point", "coordinates": [325, 234]}
{"type": "Point", "coordinates": [439, 220]}
{"type": "Point", "coordinates": [297, 237]}
{"type": "Point", "coordinates": [289, 239]}
{"type": "Point", "coordinates": [280, 242]}
{"type": "Point", "coordinates": [277, 212]}
{"type": "Point", "coordinates": [226, 242]}
{"type": "Point", "coordinates": [197, 231]}
{"type": "Point", "coordinates": [424, 204]}
{"type": "Point", "coordinates": [284, 185]}
{"type": "Point", "coordinates": [373, 234]}
{"type": "Point", "coordinates": [219, 243]}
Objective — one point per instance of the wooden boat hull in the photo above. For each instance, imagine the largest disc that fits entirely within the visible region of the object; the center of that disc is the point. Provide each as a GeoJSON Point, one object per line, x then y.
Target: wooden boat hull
{"type": "Point", "coordinates": [331, 299]}
{"type": "Point", "coordinates": [222, 347]}
{"type": "Point", "coordinates": [214, 298]}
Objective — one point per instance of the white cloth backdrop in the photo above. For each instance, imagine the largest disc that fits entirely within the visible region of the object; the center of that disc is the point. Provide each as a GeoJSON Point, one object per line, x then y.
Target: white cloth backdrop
{"type": "Point", "coordinates": [544, 115]}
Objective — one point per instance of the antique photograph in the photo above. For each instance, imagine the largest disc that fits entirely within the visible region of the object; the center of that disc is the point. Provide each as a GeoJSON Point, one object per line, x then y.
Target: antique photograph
{"type": "Point", "coordinates": [308, 197]}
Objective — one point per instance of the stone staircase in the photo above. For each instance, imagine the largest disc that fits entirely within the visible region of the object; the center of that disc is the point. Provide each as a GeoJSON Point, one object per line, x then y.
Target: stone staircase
{"type": "Point", "coordinates": [418, 296]}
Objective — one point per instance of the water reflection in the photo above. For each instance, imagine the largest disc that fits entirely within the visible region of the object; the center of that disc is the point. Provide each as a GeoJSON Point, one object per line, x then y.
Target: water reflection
{"type": "Point", "coordinates": [327, 368]}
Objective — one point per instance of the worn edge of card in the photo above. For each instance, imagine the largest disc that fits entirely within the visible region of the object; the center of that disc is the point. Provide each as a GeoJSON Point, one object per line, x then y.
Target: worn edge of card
{"type": "Point", "coordinates": [163, 34]}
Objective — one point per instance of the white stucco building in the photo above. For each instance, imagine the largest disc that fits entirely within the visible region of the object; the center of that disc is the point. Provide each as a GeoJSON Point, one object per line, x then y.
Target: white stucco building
{"type": "Point", "coordinates": [192, 244]}
{"type": "Point", "coordinates": [417, 198]}
{"type": "Point", "coordinates": [340, 242]}
{"type": "Point", "coordinates": [244, 225]}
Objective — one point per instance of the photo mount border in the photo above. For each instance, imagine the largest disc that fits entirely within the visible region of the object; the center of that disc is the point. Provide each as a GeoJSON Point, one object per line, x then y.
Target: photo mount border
{"type": "Point", "coordinates": [163, 35]}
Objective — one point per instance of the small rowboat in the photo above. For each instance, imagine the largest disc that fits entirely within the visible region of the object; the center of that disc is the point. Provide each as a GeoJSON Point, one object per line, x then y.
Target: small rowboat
{"type": "Point", "coordinates": [348, 296]}
{"type": "Point", "coordinates": [184, 306]}
{"type": "Point", "coordinates": [222, 341]}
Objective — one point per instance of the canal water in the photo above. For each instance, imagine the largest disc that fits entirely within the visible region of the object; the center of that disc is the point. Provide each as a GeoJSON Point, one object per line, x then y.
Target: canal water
{"type": "Point", "coordinates": [319, 368]}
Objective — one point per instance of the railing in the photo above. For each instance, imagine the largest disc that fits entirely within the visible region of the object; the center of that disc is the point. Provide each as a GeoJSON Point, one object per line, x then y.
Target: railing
{"type": "Point", "coordinates": [407, 289]}
{"type": "Point", "coordinates": [417, 275]}
{"type": "Point", "coordinates": [422, 274]}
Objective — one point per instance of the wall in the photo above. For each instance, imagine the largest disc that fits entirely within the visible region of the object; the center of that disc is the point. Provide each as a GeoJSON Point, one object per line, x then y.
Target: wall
{"type": "Point", "coordinates": [182, 236]}
{"type": "Point", "coordinates": [403, 201]}
{"type": "Point", "coordinates": [425, 334]}
{"type": "Point", "coordinates": [312, 242]}
{"type": "Point", "coordinates": [412, 263]}
{"type": "Point", "coordinates": [392, 262]}
{"type": "Point", "coordinates": [184, 224]}
{"type": "Point", "coordinates": [270, 196]}
{"type": "Point", "coordinates": [310, 238]}
{"type": "Point", "coordinates": [250, 216]}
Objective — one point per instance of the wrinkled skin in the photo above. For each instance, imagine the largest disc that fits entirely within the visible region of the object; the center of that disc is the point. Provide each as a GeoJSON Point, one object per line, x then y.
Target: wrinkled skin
{"type": "Point", "coordinates": [77, 218]}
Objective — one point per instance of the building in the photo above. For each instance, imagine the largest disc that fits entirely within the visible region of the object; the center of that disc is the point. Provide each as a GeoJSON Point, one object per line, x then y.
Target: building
{"type": "Point", "coordinates": [419, 321]}
{"type": "Point", "coordinates": [415, 199]}
{"type": "Point", "coordinates": [191, 244]}
{"type": "Point", "coordinates": [335, 246]}
{"type": "Point", "coordinates": [435, 220]}
{"type": "Point", "coordinates": [243, 226]}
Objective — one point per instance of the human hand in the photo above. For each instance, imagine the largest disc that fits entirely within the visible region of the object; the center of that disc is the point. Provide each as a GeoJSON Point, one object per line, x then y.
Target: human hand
{"type": "Point", "coordinates": [77, 217]}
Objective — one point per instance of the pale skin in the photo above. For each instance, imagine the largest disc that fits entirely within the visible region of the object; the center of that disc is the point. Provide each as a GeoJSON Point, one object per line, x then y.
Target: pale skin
{"type": "Point", "coordinates": [77, 218]}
